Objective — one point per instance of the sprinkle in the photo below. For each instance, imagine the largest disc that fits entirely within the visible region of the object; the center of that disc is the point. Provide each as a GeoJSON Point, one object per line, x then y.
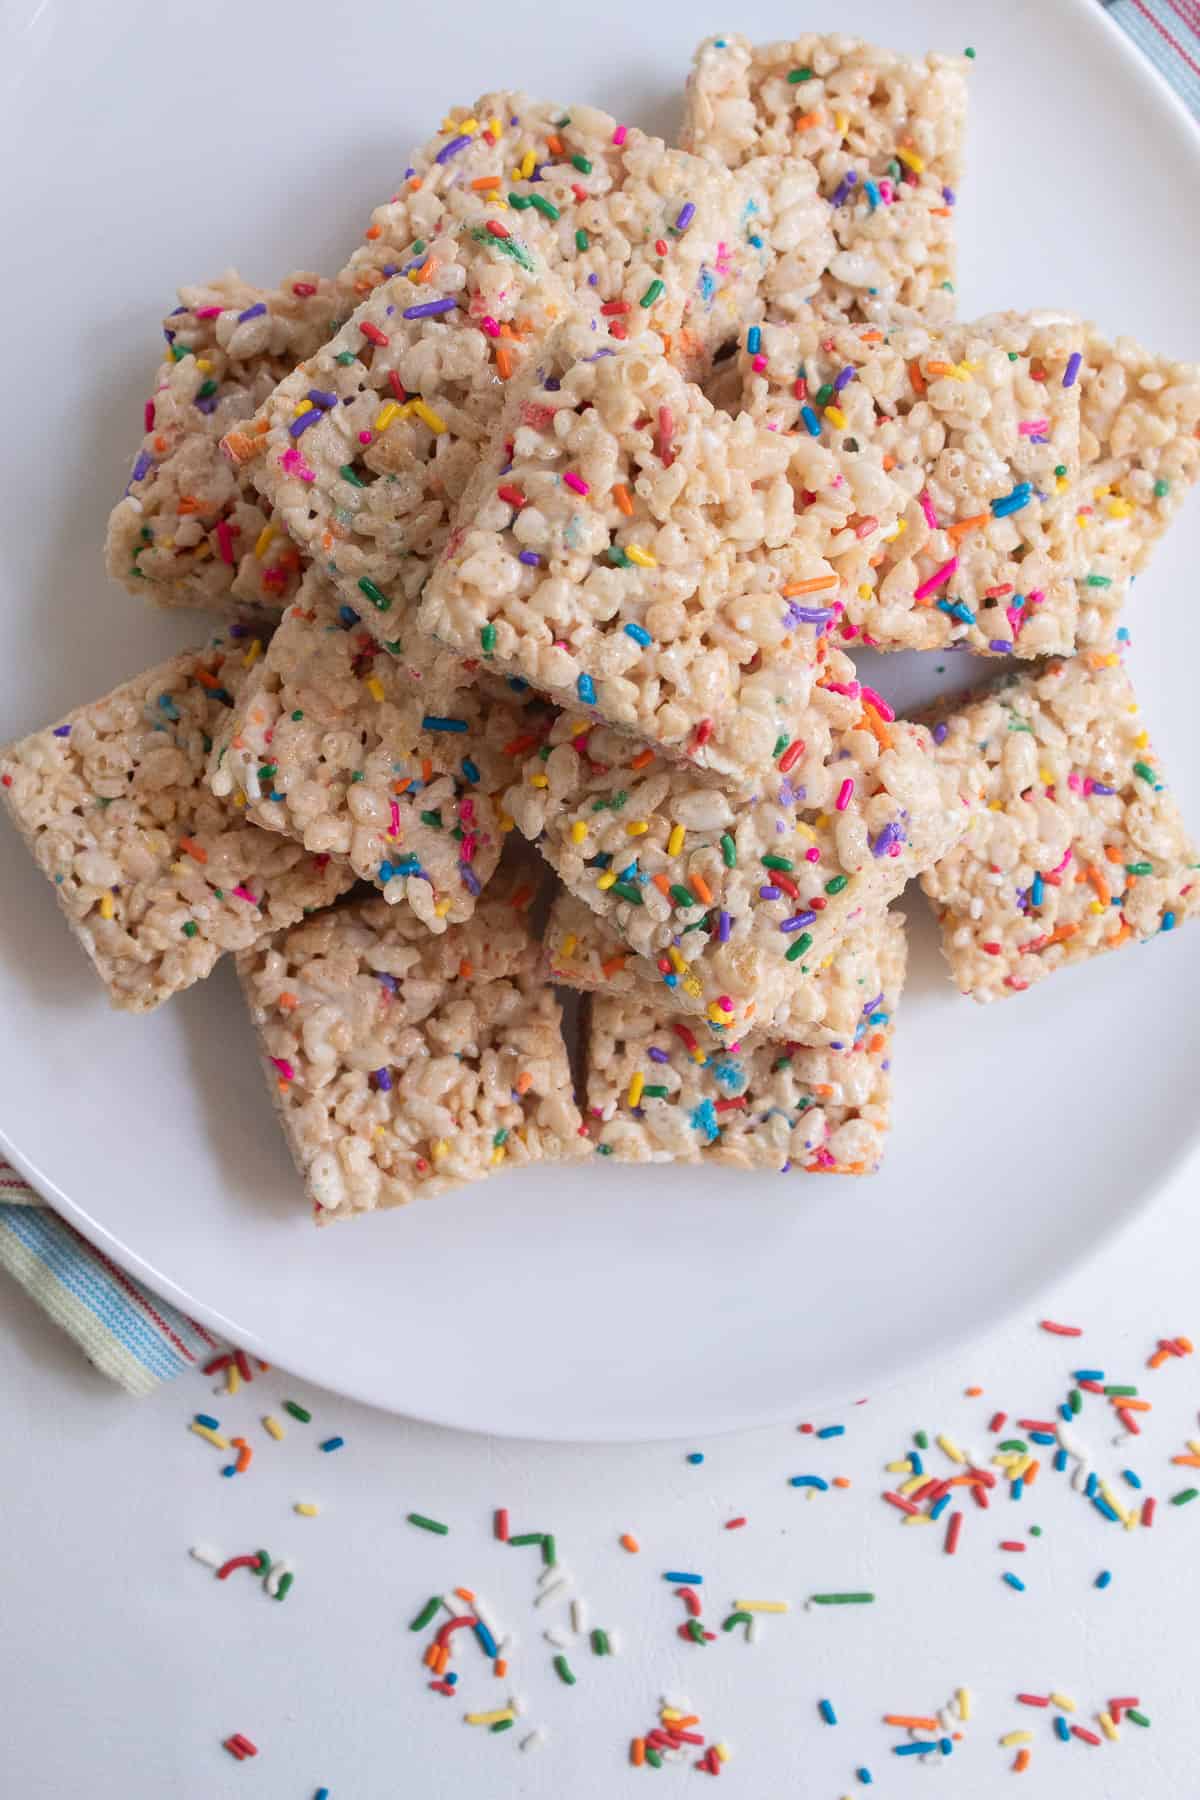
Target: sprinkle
{"type": "Point", "coordinates": [1072, 369]}
{"type": "Point", "coordinates": [844, 794]}
{"type": "Point", "coordinates": [1061, 1330]}
{"type": "Point", "coordinates": [812, 1481]}
{"type": "Point", "coordinates": [782, 1606]}
{"type": "Point", "coordinates": [213, 1437]}
{"type": "Point", "coordinates": [1020, 497]}
{"type": "Point", "coordinates": [628, 1542]}
{"type": "Point", "coordinates": [273, 1427]}
{"type": "Point", "coordinates": [434, 1525]}
{"type": "Point", "coordinates": [681, 1578]}
{"type": "Point", "coordinates": [1014, 1581]}
{"type": "Point", "coordinates": [434, 722]}
{"type": "Point", "coordinates": [825, 1708]}
{"type": "Point", "coordinates": [576, 482]}
{"type": "Point", "coordinates": [838, 1600]}
{"type": "Point", "coordinates": [652, 293]}
{"type": "Point", "coordinates": [297, 1411]}
{"type": "Point", "coordinates": [936, 579]}
{"type": "Point", "coordinates": [306, 1509]}
{"type": "Point", "coordinates": [426, 1613]}
{"type": "Point", "coordinates": [563, 1670]}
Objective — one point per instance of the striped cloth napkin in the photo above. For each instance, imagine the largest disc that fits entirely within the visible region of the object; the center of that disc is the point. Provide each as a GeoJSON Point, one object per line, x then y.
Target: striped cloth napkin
{"type": "Point", "coordinates": [120, 1325]}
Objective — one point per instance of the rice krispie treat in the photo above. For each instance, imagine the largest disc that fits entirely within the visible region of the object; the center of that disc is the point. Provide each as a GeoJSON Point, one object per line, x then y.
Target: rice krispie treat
{"type": "Point", "coordinates": [189, 531]}
{"type": "Point", "coordinates": [884, 133]}
{"type": "Point", "coordinates": [367, 445]}
{"type": "Point", "coordinates": [736, 897]}
{"type": "Point", "coordinates": [830, 1012]}
{"type": "Point", "coordinates": [403, 1064]}
{"type": "Point", "coordinates": [978, 426]}
{"type": "Point", "coordinates": [625, 546]}
{"type": "Point", "coordinates": [655, 1095]}
{"type": "Point", "coordinates": [1139, 428]}
{"type": "Point", "coordinates": [156, 877]}
{"type": "Point", "coordinates": [333, 743]}
{"type": "Point", "coordinates": [1078, 845]}
{"type": "Point", "coordinates": [638, 229]}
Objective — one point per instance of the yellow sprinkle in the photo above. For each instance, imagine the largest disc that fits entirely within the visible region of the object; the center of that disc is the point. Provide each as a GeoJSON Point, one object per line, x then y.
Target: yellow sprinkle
{"type": "Point", "coordinates": [468, 127]}
{"type": "Point", "coordinates": [912, 161]}
{"type": "Point", "coordinates": [233, 1380]}
{"type": "Point", "coordinates": [1062, 484]}
{"type": "Point", "coordinates": [722, 1750]}
{"type": "Point", "coordinates": [637, 827]}
{"type": "Point", "coordinates": [306, 1509]}
{"type": "Point", "coordinates": [949, 1448]}
{"type": "Point", "coordinates": [901, 525]}
{"type": "Point", "coordinates": [566, 948]}
{"type": "Point", "coordinates": [690, 985]}
{"type": "Point", "coordinates": [498, 1154]}
{"type": "Point", "coordinates": [898, 1468]}
{"type": "Point", "coordinates": [506, 822]}
{"type": "Point", "coordinates": [636, 1083]}
{"type": "Point", "coordinates": [303, 407]}
{"type": "Point", "coordinates": [917, 1519]}
{"type": "Point", "coordinates": [442, 908]}
{"type": "Point", "coordinates": [1013, 1738]}
{"type": "Point", "coordinates": [239, 799]}
{"type": "Point", "coordinates": [387, 415]}
{"type": "Point", "coordinates": [1119, 509]}
{"type": "Point", "coordinates": [252, 655]}
{"type": "Point", "coordinates": [836, 416]}
{"type": "Point", "coordinates": [428, 417]}
{"type": "Point", "coordinates": [494, 127]}
{"type": "Point", "coordinates": [677, 962]}
{"type": "Point", "coordinates": [438, 1149]}
{"type": "Point", "coordinates": [1142, 739]}
{"type": "Point", "coordinates": [204, 365]}
{"type": "Point", "coordinates": [490, 1718]}
{"type": "Point", "coordinates": [1095, 907]}
{"type": "Point", "coordinates": [213, 1437]}
{"type": "Point", "coordinates": [106, 906]}
{"type": "Point", "coordinates": [1107, 1727]}
{"type": "Point", "coordinates": [865, 591]}
{"type": "Point", "coordinates": [912, 1484]}
{"type": "Point", "coordinates": [762, 1606]}
{"type": "Point", "coordinates": [578, 831]}
{"type": "Point", "coordinates": [528, 164]}
{"type": "Point", "coordinates": [497, 200]}
{"type": "Point", "coordinates": [374, 687]}
{"type": "Point", "coordinates": [641, 559]}
{"type": "Point", "coordinates": [675, 841]}
{"type": "Point", "coordinates": [964, 1704]}
{"type": "Point", "coordinates": [273, 1426]}
{"type": "Point", "coordinates": [539, 780]}
{"type": "Point", "coordinates": [263, 541]}
{"type": "Point", "coordinates": [840, 122]}
{"type": "Point", "coordinates": [1064, 1702]}
{"type": "Point", "coordinates": [669, 1714]}
{"type": "Point", "coordinates": [607, 880]}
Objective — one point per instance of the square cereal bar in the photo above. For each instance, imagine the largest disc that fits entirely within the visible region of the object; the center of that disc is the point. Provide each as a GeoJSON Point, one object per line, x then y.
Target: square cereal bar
{"type": "Point", "coordinates": [156, 877]}
{"type": "Point", "coordinates": [735, 896]}
{"type": "Point", "coordinates": [403, 1064]}
{"type": "Point", "coordinates": [366, 445]}
{"type": "Point", "coordinates": [1077, 847]}
{"type": "Point", "coordinates": [334, 743]}
{"type": "Point", "coordinates": [832, 1012]}
{"type": "Point", "coordinates": [629, 224]}
{"type": "Point", "coordinates": [625, 546]}
{"type": "Point", "coordinates": [978, 426]}
{"type": "Point", "coordinates": [1139, 430]}
{"type": "Point", "coordinates": [189, 531]}
{"type": "Point", "coordinates": [884, 133]}
{"type": "Point", "coordinates": [654, 1095]}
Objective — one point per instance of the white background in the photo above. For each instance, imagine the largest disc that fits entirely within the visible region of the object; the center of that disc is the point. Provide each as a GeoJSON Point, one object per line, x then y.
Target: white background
{"type": "Point", "coordinates": [123, 1663]}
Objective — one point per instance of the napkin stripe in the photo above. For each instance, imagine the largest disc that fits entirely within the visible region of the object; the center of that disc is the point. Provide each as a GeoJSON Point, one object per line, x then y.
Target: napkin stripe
{"type": "Point", "coordinates": [1168, 34]}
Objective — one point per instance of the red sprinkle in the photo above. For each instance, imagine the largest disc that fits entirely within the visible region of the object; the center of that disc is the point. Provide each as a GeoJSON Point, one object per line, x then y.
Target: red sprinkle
{"type": "Point", "coordinates": [239, 1746]}
{"type": "Point", "coordinates": [1148, 1508]}
{"type": "Point", "coordinates": [495, 229]}
{"type": "Point", "coordinates": [691, 1600]}
{"type": "Point", "coordinates": [953, 1530]}
{"type": "Point", "coordinates": [791, 755]}
{"type": "Point", "coordinates": [998, 1422]}
{"type": "Point", "coordinates": [217, 1364]}
{"type": "Point", "coordinates": [901, 1504]}
{"type": "Point", "coordinates": [612, 307]}
{"type": "Point", "coordinates": [239, 1562]}
{"type": "Point", "coordinates": [1010, 1544]}
{"type": "Point", "coordinates": [397, 386]}
{"type": "Point", "coordinates": [243, 1366]}
{"type": "Point", "coordinates": [500, 1524]}
{"type": "Point", "coordinates": [1032, 1700]}
{"type": "Point", "coordinates": [1085, 1736]}
{"type": "Point", "coordinates": [733, 1524]}
{"type": "Point", "coordinates": [373, 334]}
{"type": "Point", "coordinates": [1062, 1331]}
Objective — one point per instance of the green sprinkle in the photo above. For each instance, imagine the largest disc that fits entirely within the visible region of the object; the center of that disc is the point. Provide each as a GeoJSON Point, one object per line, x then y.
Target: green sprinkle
{"type": "Point", "coordinates": [358, 775]}
{"type": "Point", "coordinates": [1139, 1718]}
{"type": "Point", "coordinates": [1100, 581]}
{"type": "Point", "coordinates": [1161, 490]}
{"type": "Point", "coordinates": [509, 246]}
{"type": "Point", "coordinates": [1035, 1531]}
{"type": "Point", "coordinates": [285, 1582]}
{"type": "Point", "coordinates": [501, 1725]}
{"type": "Point", "coordinates": [798, 75]}
{"type": "Point", "coordinates": [549, 1549]}
{"type": "Point", "coordinates": [1184, 1495]}
{"type": "Point", "coordinates": [1075, 1400]}
{"type": "Point", "coordinates": [1121, 1393]}
{"type": "Point", "coordinates": [487, 639]}
{"type": "Point", "coordinates": [347, 474]}
{"type": "Point", "coordinates": [655, 1760]}
{"type": "Point", "coordinates": [777, 862]}
{"type": "Point", "coordinates": [616, 555]}
{"type": "Point", "coordinates": [600, 1643]}
{"type": "Point", "coordinates": [426, 1613]}
{"type": "Point", "coordinates": [842, 1599]}
{"type": "Point", "coordinates": [837, 884]}
{"type": "Point", "coordinates": [781, 744]}
{"type": "Point", "coordinates": [527, 1537]}
{"type": "Point", "coordinates": [696, 1631]}
{"type": "Point", "coordinates": [581, 239]}
{"type": "Point", "coordinates": [418, 245]}
{"type": "Point", "coordinates": [375, 595]}
{"type": "Point", "coordinates": [1145, 771]}
{"type": "Point", "coordinates": [1142, 868]}
{"type": "Point", "coordinates": [267, 772]}
{"type": "Point", "coordinates": [297, 1411]}
{"type": "Point", "coordinates": [546, 207]}
{"type": "Point", "coordinates": [563, 1667]}
{"type": "Point", "coordinates": [737, 1618]}
{"type": "Point", "coordinates": [628, 890]}
{"type": "Point", "coordinates": [1061, 469]}
{"type": "Point", "coordinates": [345, 358]}
{"type": "Point", "coordinates": [802, 943]}
{"type": "Point", "coordinates": [432, 818]}
{"type": "Point", "coordinates": [206, 390]}
{"type": "Point", "coordinates": [654, 1093]}
{"type": "Point", "coordinates": [601, 1150]}
{"type": "Point", "coordinates": [582, 164]}
{"type": "Point", "coordinates": [297, 716]}
{"type": "Point", "coordinates": [728, 851]}
{"type": "Point", "coordinates": [652, 293]}
{"type": "Point", "coordinates": [969, 52]}
{"type": "Point", "coordinates": [681, 897]}
{"type": "Point", "coordinates": [519, 203]}
{"type": "Point", "coordinates": [825, 394]}
{"type": "Point", "coordinates": [921, 1440]}
{"type": "Point", "coordinates": [190, 929]}
{"type": "Point", "coordinates": [1017, 1444]}
{"type": "Point", "coordinates": [429, 1524]}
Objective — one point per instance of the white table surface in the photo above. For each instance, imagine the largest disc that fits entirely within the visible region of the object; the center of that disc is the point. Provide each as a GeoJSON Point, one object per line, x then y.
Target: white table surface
{"type": "Point", "coordinates": [123, 1663]}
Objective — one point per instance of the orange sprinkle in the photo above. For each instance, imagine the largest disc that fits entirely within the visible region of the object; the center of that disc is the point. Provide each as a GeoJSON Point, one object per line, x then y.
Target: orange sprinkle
{"type": "Point", "coordinates": [916, 377]}
{"type": "Point", "coordinates": [288, 1001]}
{"type": "Point", "coordinates": [1135, 1405]}
{"type": "Point", "coordinates": [1021, 1761]}
{"type": "Point", "coordinates": [500, 1667]}
{"type": "Point", "coordinates": [426, 770]}
{"type": "Point", "coordinates": [876, 1043]}
{"type": "Point", "coordinates": [187, 503]}
{"type": "Point", "coordinates": [160, 443]}
{"type": "Point", "coordinates": [414, 184]}
{"type": "Point", "coordinates": [870, 337]}
{"type": "Point", "coordinates": [701, 890]}
{"type": "Point", "coordinates": [466, 968]}
{"type": "Point", "coordinates": [465, 1594]}
{"type": "Point", "coordinates": [815, 585]}
{"type": "Point", "coordinates": [613, 966]}
{"type": "Point", "coordinates": [196, 851]}
{"type": "Point", "coordinates": [637, 1752]}
{"type": "Point", "coordinates": [662, 884]}
{"type": "Point", "coordinates": [621, 496]}
{"type": "Point", "coordinates": [1186, 1462]}
{"type": "Point", "coordinates": [1119, 937]}
{"type": "Point", "coordinates": [973, 1393]}
{"type": "Point", "coordinates": [911, 1722]}
{"type": "Point", "coordinates": [1060, 934]}
{"type": "Point", "coordinates": [1031, 1473]}
{"type": "Point", "coordinates": [641, 759]}
{"type": "Point", "coordinates": [555, 143]}
{"type": "Point", "coordinates": [205, 678]}
{"type": "Point", "coordinates": [427, 271]}
{"type": "Point", "coordinates": [1112, 853]}
{"type": "Point", "coordinates": [1098, 882]}
{"type": "Point", "coordinates": [628, 1542]}
{"type": "Point", "coordinates": [960, 530]}
{"type": "Point", "coordinates": [872, 721]}
{"type": "Point", "coordinates": [841, 1481]}
{"type": "Point", "coordinates": [806, 121]}
{"type": "Point", "coordinates": [938, 368]}
{"type": "Point", "coordinates": [485, 183]}
{"type": "Point", "coordinates": [373, 231]}
{"type": "Point", "coordinates": [504, 364]}
{"type": "Point", "coordinates": [239, 447]}
{"type": "Point", "coordinates": [523, 1083]}
{"type": "Point", "coordinates": [889, 461]}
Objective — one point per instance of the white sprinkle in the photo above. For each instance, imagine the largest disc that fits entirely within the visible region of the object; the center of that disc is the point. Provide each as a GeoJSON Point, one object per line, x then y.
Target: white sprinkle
{"type": "Point", "coordinates": [753, 1628]}
{"type": "Point", "coordinates": [549, 1591]}
{"type": "Point", "coordinates": [579, 1613]}
{"type": "Point", "coordinates": [614, 1644]}
{"type": "Point", "coordinates": [458, 1609]}
{"type": "Point", "coordinates": [562, 1640]}
{"type": "Point", "coordinates": [535, 1739]}
{"type": "Point", "coordinates": [516, 1704]}
{"type": "Point", "coordinates": [204, 1553]}
{"type": "Point", "coordinates": [553, 1571]}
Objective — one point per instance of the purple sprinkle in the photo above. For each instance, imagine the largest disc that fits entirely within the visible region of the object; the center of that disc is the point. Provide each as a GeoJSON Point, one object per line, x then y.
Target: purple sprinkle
{"type": "Point", "coordinates": [687, 213]}
{"type": "Point", "coordinates": [299, 426]}
{"type": "Point", "coordinates": [62, 731]}
{"type": "Point", "coordinates": [552, 384]}
{"type": "Point", "coordinates": [807, 615]}
{"type": "Point", "coordinates": [389, 269]}
{"type": "Point", "coordinates": [252, 312]}
{"type": "Point", "coordinates": [873, 1005]}
{"type": "Point", "coordinates": [429, 309]}
{"type": "Point", "coordinates": [409, 173]}
{"type": "Point", "coordinates": [1073, 362]}
{"type": "Point", "coordinates": [469, 878]}
{"type": "Point", "coordinates": [724, 926]}
{"type": "Point", "coordinates": [843, 187]}
{"type": "Point", "coordinates": [770, 893]}
{"type": "Point", "coordinates": [383, 1080]}
{"type": "Point", "coordinates": [1098, 787]}
{"type": "Point", "coordinates": [798, 921]}
{"type": "Point", "coordinates": [386, 981]}
{"type": "Point", "coordinates": [949, 196]}
{"type": "Point", "coordinates": [530, 558]}
{"type": "Point", "coordinates": [320, 397]}
{"type": "Point", "coordinates": [451, 149]}
{"type": "Point", "coordinates": [593, 281]}
{"type": "Point", "coordinates": [891, 834]}
{"type": "Point", "coordinates": [1001, 645]}
{"type": "Point", "coordinates": [657, 1055]}
{"type": "Point", "coordinates": [142, 467]}
{"type": "Point", "coordinates": [597, 354]}
{"type": "Point", "coordinates": [941, 732]}
{"type": "Point", "coordinates": [207, 405]}
{"type": "Point", "coordinates": [847, 375]}
{"type": "Point", "coordinates": [175, 311]}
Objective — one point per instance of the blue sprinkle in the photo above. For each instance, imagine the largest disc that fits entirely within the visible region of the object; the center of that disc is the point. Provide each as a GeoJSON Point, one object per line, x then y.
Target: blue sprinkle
{"type": "Point", "coordinates": [704, 1118]}
{"type": "Point", "coordinates": [348, 617]}
{"type": "Point", "coordinates": [914, 1456]}
{"type": "Point", "coordinates": [1037, 890]}
{"type": "Point", "coordinates": [828, 1431]}
{"type": "Point", "coordinates": [1090, 1486]}
{"type": "Point", "coordinates": [431, 723]}
{"type": "Point", "coordinates": [486, 1639]}
{"type": "Point", "coordinates": [1103, 1578]}
{"type": "Point", "coordinates": [1062, 1728]}
{"type": "Point", "coordinates": [872, 193]}
{"type": "Point", "coordinates": [470, 880]}
{"type": "Point", "coordinates": [912, 1749]}
{"type": "Point", "coordinates": [939, 1507]}
{"type": "Point", "coordinates": [585, 687]}
{"type": "Point", "coordinates": [1135, 1481]}
{"type": "Point", "coordinates": [333, 1443]}
{"type": "Point", "coordinates": [62, 731]}
{"type": "Point", "coordinates": [207, 1420]}
{"type": "Point", "coordinates": [470, 769]}
{"type": "Point", "coordinates": [754, 340]}
{"type": "Point", "coordinates": [639, 634]}
{"type": "Point", "coordinates": [229, 1469]}
{"type": "Point", "coordinates": [1064, 1412]}
{"type": "Point", "coordinates": [1014, 1581]}
{"type": "Point", "coordinates": [809, 1481]}
{"type": "Point", "coordinates": [864, 1775]}
{"type": "Point", "coordinates": [695, 1456]}
{"type": "Point", "coordinates": [1017, 1491]}
{"type": "Point", "coordinates": [825, 1708]}
{"type": "Point", "coordinates": [1020, 497]}
{"type": "Point", "coordinates": [1087, 1374]}
{"type": "Point", "coordinates": [1168, 921]}
{"type": "Point", "coordinates": [1101, 1505]}
{"type": "Point", "coordinates": [168, 706]}
{"type": "Point", "coordinates": [756, 242]}
{"type": "Point", "coordinates": [682, 1578]}
{"type": "Point", "coordinates": [811, 422]}
{"type": "Point", "coordinates": [1060, 1461]}
{"type": "Point", "coordinates": [957, 610]}
{"type": "Point", "coordinates": [1042, 1437]}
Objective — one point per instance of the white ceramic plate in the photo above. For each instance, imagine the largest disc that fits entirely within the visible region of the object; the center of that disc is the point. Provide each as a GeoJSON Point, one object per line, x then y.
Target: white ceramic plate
{"type": "Point", "coordinates": [603, 1303]}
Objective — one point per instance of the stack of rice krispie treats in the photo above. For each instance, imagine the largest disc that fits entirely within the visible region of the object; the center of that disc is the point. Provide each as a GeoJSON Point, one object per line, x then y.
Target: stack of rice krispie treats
{"type": "Point", "coordinates": [546, 532]}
